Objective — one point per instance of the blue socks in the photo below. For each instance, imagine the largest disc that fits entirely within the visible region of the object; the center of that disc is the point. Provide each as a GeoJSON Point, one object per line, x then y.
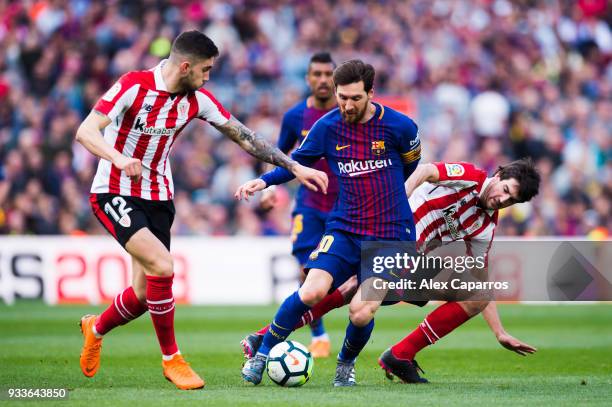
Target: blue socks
{"type": "Point", "coordinates": [355, 340]}
{"type": "Point", "coordinates": [287, 316]}
{"type": "Point", "coordinates": [317, 328]}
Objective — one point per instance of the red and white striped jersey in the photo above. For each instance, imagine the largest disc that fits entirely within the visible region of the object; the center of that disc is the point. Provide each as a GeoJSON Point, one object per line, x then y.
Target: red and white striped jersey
{"type": "Point", "coordinates": [448, 210]}
{"type": "Point", "coordinates": [146, 121]}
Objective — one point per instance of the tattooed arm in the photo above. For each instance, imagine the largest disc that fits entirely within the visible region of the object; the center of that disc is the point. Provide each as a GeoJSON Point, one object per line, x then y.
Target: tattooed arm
{"type": "Point", "coordinates": [258, 147]}
{"type": "Point", "coordinates": [255, 144]}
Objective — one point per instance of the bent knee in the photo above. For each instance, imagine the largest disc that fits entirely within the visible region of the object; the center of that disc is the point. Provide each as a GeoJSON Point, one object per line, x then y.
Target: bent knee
{"type": "Point", "coordinates": [360, 315]}
{"type": "Point", "coordinates": [161, 265]}
{"type": "Point", "coordinates": [312, 295]}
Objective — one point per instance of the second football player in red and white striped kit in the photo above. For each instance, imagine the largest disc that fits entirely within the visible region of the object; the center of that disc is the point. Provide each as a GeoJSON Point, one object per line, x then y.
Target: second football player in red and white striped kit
{"type": "Point", "coordinates": [450, 202]}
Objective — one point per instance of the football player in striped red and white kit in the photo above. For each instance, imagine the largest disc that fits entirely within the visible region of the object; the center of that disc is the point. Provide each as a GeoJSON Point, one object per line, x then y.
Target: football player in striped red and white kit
{"type": "Point", "coordinates": [450, 202]}
{"type": "Point", "coordinates": [142, 115]}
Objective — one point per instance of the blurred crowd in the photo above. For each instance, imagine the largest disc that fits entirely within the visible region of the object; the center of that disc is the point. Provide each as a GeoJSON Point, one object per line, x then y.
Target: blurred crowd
{"type": "Point", "coordinates": [487, 81]}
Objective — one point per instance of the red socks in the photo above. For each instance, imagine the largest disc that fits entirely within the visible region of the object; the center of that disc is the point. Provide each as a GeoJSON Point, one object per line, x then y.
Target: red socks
{"type": "Point", "coordinates": [439, 323]}
{"type": "Point", "coordinates": [330, 302]}
{"type": "Point", "coordinates": [125, 307]}
{"type": "Point", "coordinates": [161, 307]}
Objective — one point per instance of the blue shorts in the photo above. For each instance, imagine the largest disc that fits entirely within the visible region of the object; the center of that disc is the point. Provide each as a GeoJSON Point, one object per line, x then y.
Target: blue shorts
{"type": "Point", "coordinates": [339, 254]}
{"type": "Point", "coordinates": [308, 227]}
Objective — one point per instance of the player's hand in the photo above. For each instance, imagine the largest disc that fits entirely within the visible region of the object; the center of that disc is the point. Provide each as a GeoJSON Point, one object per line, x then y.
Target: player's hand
{"type": "Point", "coordinates": [268, 199]}
{"type": "Point", "coordinates": [131, 166]}
{"type": "Point", "coordinates": [313, 179]}
{"type": "Point", "coordinates": [511, 343]}
{"type": "Point", "coordinates": [249, 188]}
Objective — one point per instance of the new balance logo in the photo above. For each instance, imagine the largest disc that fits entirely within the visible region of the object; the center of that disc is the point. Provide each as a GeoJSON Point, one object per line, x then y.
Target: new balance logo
{"type": "Point", "coordinates": [147, 107]}
{"type": "Point", "coordinates": [139, 125]}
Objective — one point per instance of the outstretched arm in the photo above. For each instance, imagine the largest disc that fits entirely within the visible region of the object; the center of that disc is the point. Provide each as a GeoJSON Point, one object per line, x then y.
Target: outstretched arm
{"type": "Point", "coordinates": [260, 148]}
{"type": "Point", "coordinates": [506, 340]}
{"type": "Point", "coordinates": [255, 144]}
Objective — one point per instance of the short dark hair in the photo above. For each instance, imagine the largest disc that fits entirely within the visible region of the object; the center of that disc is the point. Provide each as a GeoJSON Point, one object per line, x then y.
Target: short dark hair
{"type": "Point", "coordinates": [322, 58]}
{"type": "Point", "coordinates": [194, 44]}
{"type": "Point", "coordinates": [353, 71]}
{"type": "Point", "coordinates": [525, 173]}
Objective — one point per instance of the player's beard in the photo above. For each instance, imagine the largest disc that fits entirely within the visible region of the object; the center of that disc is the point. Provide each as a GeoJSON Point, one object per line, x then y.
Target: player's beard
{"type": "Point", "coordinates": [484, 201]}
{"type": "Point", "coordinates": [323, 97]}
{"type": "Point", "coordinates": [355, 117]}
{"type": "Point", "coordinates": [323, 100]}
{"type": "Point", "coordinates": [188, 84]}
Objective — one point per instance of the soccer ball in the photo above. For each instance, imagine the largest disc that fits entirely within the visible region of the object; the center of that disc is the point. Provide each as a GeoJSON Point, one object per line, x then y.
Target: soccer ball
{"type": "Point", "coordinates": [289, 364]}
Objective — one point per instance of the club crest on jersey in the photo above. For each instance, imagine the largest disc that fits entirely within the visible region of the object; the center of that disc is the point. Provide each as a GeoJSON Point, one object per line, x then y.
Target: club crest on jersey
{"type": "Point", "coordinates": [183, 110]}
{"type": "Point", "coordinates": [378, 147]}
{"type": "Point", "coordinates": [473, 228]}
{"type": "Point", "coordinates": [454, 170]}
{"type": "Point", "coordinates": [125, 221]}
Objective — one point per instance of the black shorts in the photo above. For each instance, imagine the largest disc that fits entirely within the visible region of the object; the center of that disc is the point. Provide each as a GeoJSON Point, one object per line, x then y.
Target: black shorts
{"type": "Point", "coordinates": [123, 216]}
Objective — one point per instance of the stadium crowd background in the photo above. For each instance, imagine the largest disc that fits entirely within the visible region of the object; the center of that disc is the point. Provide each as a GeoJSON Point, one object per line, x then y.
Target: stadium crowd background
{"type": "Point", "coordinates": [487, 81]}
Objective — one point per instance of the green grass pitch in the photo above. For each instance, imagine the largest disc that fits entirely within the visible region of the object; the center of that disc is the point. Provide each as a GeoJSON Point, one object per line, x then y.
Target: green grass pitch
{"type": "Point", "coordinates": [39, 347]}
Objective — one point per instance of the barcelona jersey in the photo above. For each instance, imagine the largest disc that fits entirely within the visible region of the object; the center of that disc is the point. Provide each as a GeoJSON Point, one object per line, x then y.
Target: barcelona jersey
{"type": "Point", "coordinates": [371, 162]}
{"type": "Point", "coordinates": [296, 123]}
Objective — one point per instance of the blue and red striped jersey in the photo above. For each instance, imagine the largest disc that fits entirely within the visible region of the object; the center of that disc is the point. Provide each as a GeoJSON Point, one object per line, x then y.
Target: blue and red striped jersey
{"type": "Point", "coordinates": [296, 123]}
{"type": "Point", "coordinates": [371, 162]}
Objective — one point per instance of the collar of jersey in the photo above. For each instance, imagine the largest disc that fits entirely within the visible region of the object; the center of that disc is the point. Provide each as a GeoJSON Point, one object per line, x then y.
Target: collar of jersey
{"type": "Point", "coordinates": [159, 79]}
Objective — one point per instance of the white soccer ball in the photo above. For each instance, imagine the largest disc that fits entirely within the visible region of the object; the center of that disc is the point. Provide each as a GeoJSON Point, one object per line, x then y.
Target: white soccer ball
{"type": "Point", "coordinates": [289, 364]}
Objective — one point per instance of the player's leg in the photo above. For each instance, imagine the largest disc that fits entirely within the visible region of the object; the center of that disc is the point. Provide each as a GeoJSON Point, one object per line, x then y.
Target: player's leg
{"type": "Point", "coordinates": [331, 264]}
{"type": "Point", "coordinates": [308, 229]}
{"type": "Point", "coordinates": [128, 304]}
{"type": "Point", "coordinates": [315, 287]}
{"type": "Point", "coordinates": [339, 297]}
{"type": "Point", "coordinates": [157, 264]}
{"type": "Point", "coordinates": [440, 322]}
{"type": "Point", "coordinates": [362, 309]}
{"type": "Point", "coordinates": [336, 299]}
{"type": "Point", "coordinates": [139, 281]}
{"type": "Point", "coordinates": [320, 344]}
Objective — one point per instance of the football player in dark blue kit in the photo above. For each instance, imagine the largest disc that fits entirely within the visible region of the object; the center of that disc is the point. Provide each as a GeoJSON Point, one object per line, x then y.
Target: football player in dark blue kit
{"type": "Point", "coordinates": [311, 207]}
{"type": "Point", "coordinates": [371, 149]}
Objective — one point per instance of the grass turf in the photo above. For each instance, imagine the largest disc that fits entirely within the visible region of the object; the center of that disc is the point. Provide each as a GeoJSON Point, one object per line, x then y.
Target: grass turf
{"type": "Point", "coordinates": [40, 345]}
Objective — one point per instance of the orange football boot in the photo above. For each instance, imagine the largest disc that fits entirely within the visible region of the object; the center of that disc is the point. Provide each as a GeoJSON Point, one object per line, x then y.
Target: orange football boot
{"type": "Point", "coordinates": [181, 374]}
{"type": "Point", "coordinates": [90, 354]}
{"type": "Point", "coordinates": [320, 348]}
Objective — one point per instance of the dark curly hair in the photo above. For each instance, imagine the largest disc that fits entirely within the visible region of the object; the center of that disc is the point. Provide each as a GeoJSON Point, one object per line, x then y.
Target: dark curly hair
{"type": "Point", "coordinates": [525, 173]}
